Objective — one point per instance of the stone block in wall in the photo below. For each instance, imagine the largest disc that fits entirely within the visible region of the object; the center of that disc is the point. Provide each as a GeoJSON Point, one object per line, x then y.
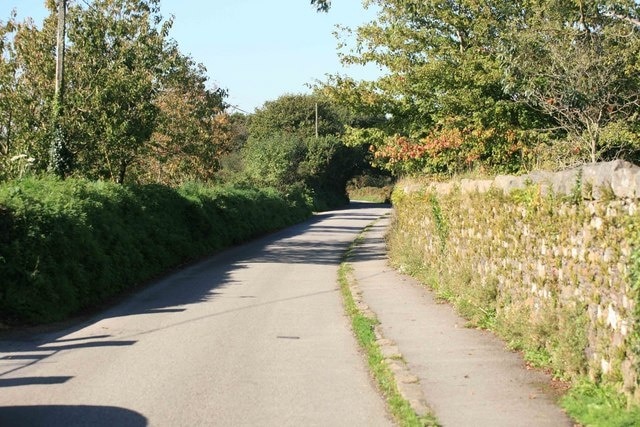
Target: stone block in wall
{"type": "Point", "coordinates": [484, 185]}
{"type": "Point", "coordinates": [625, 181]}
{"type": "Point", "coordinates": [541, 177]}
{"type": "Point", "coordinates": [618, 177]}
{"type": "Point", "coordinates": [508, 183]}
{"type": "Point", "coordinates": [443, 188]}
{"type": "Point", "coordinates": [475, 185]}
{"type": "Point", "coordinates": [600, 175]}
{"type": "Point", "coordinates": [565, 182]}
{"type": "Point", "coordinates": [411, 187]}
{"type": "Point", "coordinates": [467, 185]}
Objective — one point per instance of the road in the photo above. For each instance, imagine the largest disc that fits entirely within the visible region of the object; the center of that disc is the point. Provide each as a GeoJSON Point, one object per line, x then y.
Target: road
{"type": "Point", "coordinates": [255, 335]}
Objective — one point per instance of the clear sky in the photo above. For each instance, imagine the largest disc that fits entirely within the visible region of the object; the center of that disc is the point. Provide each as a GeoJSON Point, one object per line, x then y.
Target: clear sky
{"type": "Point", "coordinates": [257, 49]}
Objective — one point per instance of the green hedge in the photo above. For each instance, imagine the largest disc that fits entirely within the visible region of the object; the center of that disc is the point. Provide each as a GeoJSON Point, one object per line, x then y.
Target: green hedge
{"type": "Point", "coordinates": [68, 245]}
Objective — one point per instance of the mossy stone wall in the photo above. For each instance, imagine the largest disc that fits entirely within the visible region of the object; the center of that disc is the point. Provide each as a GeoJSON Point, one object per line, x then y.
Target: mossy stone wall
{"type": "Point", "coordinates": [552, 274]}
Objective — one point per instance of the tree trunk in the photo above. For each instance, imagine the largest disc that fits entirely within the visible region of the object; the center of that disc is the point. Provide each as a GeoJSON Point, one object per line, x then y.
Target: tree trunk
{"type": "Point", "coordinates": [122, 172]}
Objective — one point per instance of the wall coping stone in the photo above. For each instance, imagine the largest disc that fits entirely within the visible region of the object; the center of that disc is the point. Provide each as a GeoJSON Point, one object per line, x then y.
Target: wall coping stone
{"type": "Point", "coordinates": [618, 177]}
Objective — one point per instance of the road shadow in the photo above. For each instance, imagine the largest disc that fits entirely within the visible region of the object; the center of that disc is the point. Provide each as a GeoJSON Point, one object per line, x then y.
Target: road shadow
{"type": "Point", "coordinates": [16, 382]}
{"type": "Point", "coordinates": [70, 416]}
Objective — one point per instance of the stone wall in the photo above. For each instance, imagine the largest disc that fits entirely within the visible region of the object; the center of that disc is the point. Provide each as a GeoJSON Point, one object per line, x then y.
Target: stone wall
{"type": "Point", "coordinates": [619, 179]}
{"type": "Point", "coordinates": [548, 256]}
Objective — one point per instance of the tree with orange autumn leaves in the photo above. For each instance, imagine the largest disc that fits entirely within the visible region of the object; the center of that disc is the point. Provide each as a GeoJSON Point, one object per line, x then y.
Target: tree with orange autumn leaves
{"type": "Point", "coordinates": [496, 86]}
{"type": "Point", "coordinates": [193, 130]}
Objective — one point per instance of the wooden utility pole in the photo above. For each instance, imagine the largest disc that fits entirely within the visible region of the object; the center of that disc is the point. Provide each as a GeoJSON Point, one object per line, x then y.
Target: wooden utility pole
{"type": "Point", "coordinates": [316, 120]}
{"type": "Point", "coordinates": [62, 12]}
{"type": "Point", "coordinates": [60, 161]}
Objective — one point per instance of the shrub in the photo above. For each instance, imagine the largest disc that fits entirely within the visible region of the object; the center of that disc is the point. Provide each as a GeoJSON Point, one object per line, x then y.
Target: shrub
{"type": "Point", "coordinates": [319, 167]}
{"type": "Point", "coordinates": [69, 245]}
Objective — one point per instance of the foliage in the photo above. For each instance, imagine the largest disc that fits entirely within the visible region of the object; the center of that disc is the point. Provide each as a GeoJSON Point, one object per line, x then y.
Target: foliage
{"type": "Point", "coordinates": [320, 166]}
{"type": "Point", "coordinates": [7, 93]}
{"type": "Point", "coordinates": [69, 245]}
{"type": "Point", "coordinates": [453, 151]}
{"type": "Point", "coordinates": [273, 162]}
{"type": "Point", "coordinates": [134, 107]}
{"type": "Point", "coordinates": [634, 280]}
{"type": "Point", "coordinates": [282, 150]}
{"type": "Point", "coordinates": [376, 188]}
{"type": "Point", "coordinates": [192, 131]}
{"type": "Point", "coordinates": [295, 115]}
{"type": "Point", "coordinates": [578, 63]}
{"type": "Point", "coordinates": [593, 405]}
{"type": "Point", "coordinates": [444, 76]}
{"type": "Point", "coordinates": [513, 80]}
{"type": "Point", "coordinates": [61, 162]}
{"type": "Point", "coordinates": [26, 94]}
{"type": "Point", "coordinates": [326, 169]}
{"type": "Point", "coordinates": [440, 222]}
{"type": "Point", "coordinates": [114, 56]}
{"type": "Point", "coordinates": [321, 5]}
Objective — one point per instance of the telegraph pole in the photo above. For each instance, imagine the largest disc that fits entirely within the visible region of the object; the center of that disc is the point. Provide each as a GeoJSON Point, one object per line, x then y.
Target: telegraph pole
{"type": "Point", "coordinates": [62, 12]}
{"type": "Point", "coordinates": [60, 161]}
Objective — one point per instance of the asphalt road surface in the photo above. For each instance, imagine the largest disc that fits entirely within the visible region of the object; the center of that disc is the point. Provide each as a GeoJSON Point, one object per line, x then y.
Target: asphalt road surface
{"type": "Point", "coordinates": [255, 335]}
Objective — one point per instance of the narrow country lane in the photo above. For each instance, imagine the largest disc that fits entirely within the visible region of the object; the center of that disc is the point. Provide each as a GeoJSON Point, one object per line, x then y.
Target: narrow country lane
{"type": "Point", "coordinates": [256, 335]}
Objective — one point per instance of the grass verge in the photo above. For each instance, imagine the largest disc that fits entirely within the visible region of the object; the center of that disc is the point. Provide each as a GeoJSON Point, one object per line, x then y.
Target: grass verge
{"type": "Point", "coordinates": [593, 405]}
{"type": "Point", "coordinates": [363, 328]}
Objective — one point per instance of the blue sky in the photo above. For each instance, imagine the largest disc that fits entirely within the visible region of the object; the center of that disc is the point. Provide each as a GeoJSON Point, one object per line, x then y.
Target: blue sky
{"type": "Point", "coordinates": [256, 49]}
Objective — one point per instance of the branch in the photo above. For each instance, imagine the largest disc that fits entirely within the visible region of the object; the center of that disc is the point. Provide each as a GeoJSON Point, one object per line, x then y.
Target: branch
{"type": "Point", "coordinates": [628, 19]}
{"type": "Point", "coordinates": [321, 5]}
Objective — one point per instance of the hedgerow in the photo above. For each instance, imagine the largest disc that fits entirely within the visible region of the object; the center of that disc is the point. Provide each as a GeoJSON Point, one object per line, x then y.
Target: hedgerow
{"type": "Point", "coordinates": [66, 246]}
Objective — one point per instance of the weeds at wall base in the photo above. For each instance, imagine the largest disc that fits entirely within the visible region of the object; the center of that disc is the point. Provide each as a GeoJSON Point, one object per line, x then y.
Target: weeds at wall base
{"type": "Point", "coordinates": [594, 405]}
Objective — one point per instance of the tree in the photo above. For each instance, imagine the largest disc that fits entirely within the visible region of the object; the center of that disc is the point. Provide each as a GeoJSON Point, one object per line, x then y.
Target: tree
{"type": "Point", "coordinates": [192, 131]}
{"type": "Point", "coordinates": [27, 92]}
{"type": "Point", "coordinates": [578, 62]}
{"type": "Point", "coordinates": [283, 152]}
{"type": "Point", "coordinates": [295, 115]}
{"type": "Point", "coordinates": [7, 93]}
{"type": "Point", "coordinates": [443, 75]}
{"type": "Point", "coordinates": [321, 5]}
{"type": "Point", "coordinates": [114, 60]}
{"type": "Point", "coordinates": [135, 106]}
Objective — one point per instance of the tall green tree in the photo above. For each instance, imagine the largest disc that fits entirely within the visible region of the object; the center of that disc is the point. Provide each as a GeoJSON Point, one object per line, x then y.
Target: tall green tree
{"type": "Point", "coordinates": [134, 104]}
{"type": "Point", "coordinates": [114, 59]}
{"type": "Point", "coordinates": [283, 151]}
{"type": "Point", "coordinates": [579, 62]}
{"type": "Point", "coordinates": [27, 90]}
{"type": "Point", "coordinates": [295, 115]}
{"type": "Point", "coordinates": [7, 93]}
{"type": "Point", "coordinates": [443, 73]}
